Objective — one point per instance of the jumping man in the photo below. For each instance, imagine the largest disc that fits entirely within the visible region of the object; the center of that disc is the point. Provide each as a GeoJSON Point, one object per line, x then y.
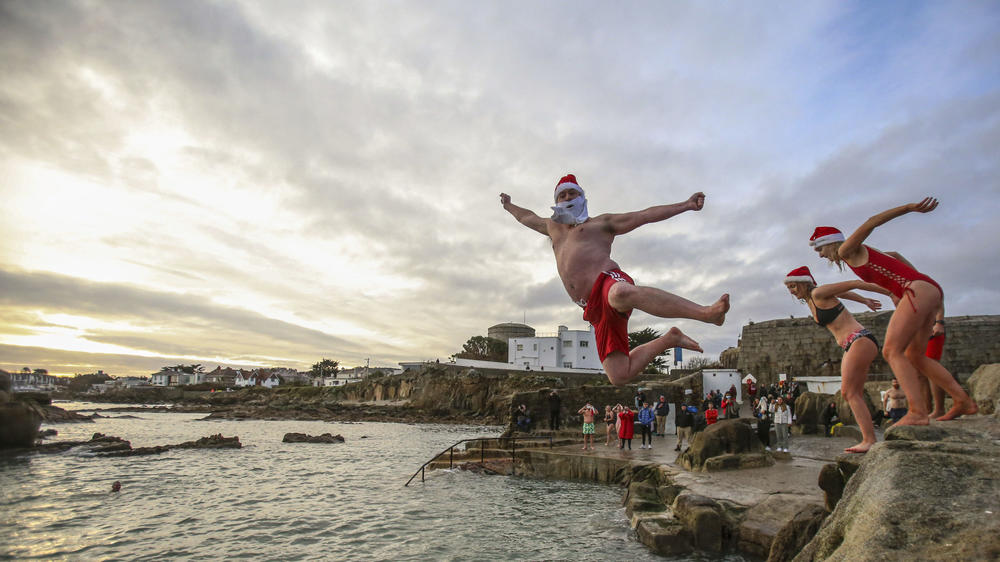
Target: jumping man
{"type": "Point", "coordinates": [582, 246]}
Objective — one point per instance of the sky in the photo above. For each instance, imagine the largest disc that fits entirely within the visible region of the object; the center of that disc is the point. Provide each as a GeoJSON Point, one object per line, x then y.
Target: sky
{"type": "Point", "coordinates": [273, 183]}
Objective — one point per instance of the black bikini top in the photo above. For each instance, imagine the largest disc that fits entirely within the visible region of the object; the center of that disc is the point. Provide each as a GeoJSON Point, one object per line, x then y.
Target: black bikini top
{"type": "Point", "coordinates": [826, 315]}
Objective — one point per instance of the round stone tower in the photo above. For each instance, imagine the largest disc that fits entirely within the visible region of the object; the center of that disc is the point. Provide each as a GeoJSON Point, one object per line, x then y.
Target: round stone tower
{"type": "Point", "coordinates": [507, 330]}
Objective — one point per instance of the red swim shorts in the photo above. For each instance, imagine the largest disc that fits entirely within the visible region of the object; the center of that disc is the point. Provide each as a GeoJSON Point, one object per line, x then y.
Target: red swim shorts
{"type": "Point", "coordinates": [610, 326]}
{"type": "Point", "coordinates": [935, 347]}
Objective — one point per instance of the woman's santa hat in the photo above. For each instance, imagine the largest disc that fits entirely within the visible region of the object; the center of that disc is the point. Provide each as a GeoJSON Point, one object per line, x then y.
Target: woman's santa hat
{"type": "Point", "coordinates": [800, 275]}
{"type": "Point", "coordinates": [824, 235]}
{"type": "Point", "coordinates": [567, 182]}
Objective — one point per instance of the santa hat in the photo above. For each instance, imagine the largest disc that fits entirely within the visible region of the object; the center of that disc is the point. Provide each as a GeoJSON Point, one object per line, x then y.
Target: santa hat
{"type": "Point", "coordinates": [824, 235]}
{"type": "Point", "coordinates": [567, 182]}
{"type": "Point", "coordinates": [800, 275]}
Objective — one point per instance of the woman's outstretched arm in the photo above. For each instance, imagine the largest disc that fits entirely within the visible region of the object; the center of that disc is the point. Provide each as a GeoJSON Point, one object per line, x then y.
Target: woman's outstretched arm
{"type": "Point", "coordinates": [852, 246]}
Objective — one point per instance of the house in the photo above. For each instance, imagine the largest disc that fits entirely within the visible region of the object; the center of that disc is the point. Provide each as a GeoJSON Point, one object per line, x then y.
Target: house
{"type": "Point", "coordinates": [29, 381]}
{"type": "Point", "coordinates": [566, 349]}
{"type": "Point", "coordinates": [222, 376]}
{"type": "Point", "coordinates": [257, 377]}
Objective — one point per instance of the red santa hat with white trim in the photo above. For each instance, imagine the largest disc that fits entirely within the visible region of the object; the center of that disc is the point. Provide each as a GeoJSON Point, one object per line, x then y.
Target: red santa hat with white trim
{"type": "Point", "coordinates": [800, 275]}
{"type": "Point", "coordinates": [567, 182]}
{"type": "Point", "coordinates": [824, 235]}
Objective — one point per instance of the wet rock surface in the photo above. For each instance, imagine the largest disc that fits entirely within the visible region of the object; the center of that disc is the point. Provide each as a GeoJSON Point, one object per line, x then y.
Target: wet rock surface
{"type": "Point", "coordinates": [925, 493]}
{"type": "Point", "coordinates": [304, 438]}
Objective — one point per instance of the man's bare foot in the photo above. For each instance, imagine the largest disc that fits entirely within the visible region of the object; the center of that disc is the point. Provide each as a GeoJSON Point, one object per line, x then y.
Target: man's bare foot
{"type": "Point", "coordinates": [678, 339]}
{"type": "Point", "coordinates": [717, 311]}
{"type": "Point", "coordinates": [960, 409]}
{"type": "Point", "coordinates": [860, 447]}
{"type": "Point", "coordinates": [913, 419]}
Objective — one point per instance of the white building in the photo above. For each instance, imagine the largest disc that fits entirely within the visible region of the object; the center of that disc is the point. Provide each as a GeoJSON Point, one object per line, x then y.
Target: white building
{"type": "Point", "coordinates": [257, 378]}
{"type": "Point", "coordinates": [567, 349]}
{"type": "Point", "coordinates": [722, 380]}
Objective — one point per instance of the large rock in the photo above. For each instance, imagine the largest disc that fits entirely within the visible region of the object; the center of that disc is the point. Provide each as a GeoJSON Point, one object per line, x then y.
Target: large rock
{"type": "Point", "coordinates": [763, 522]}
{"type": "Point", "coordinates": [809, 408]}
{"type": "Point", "coordinates": [304, 438]}
{"type": "Point", "coordinates": [4, 381]}
{"type": "Point", "coordinates": [984, 386]}
{"type": "Point", "coordinates": [731, 439]}
{"type": "Point", "coordinates": [925, 493]}
{"type": "Point", "coordinates": [844, 409]}
{"type": "Point", "coordinates": [19, 425]}
{"type": "Point", "coordinates": [796, 533]}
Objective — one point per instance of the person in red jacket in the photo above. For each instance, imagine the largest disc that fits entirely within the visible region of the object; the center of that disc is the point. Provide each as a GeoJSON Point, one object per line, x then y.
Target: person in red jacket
{"type": "Point", "coordinates": [711, 414]}
{"type": "Point", "coordinates": [626, 427]}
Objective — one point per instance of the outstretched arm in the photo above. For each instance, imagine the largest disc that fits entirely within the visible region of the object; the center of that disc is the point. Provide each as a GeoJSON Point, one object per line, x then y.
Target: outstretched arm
{"type": "Point", "coordinates": [844, 288]}
{"type": "Point", "coordinates": [524, 216]}
{"type": "Point", "coordinates": [622, 223]}
{"type": "Point", "coordinates": [852, 246]}
{"type": "Point", "coordinates": [870, 303]}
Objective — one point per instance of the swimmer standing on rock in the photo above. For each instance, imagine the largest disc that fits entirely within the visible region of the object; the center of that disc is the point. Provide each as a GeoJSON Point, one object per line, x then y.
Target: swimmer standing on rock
{"type": "Point", "coordinates": [582, 247]}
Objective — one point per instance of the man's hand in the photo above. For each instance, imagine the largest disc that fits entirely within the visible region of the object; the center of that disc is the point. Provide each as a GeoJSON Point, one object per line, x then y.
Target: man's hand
{"type": "Point", "coordinates": [504, 199]}
{"type": "Point", "coordinates": [925, 206]}
{"type": "Point", "coordinates": [696, 201]}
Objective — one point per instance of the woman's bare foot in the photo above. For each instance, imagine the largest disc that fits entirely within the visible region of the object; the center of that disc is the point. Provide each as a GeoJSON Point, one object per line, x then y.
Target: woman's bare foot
{"type": "Point", "coordinates": [717, 310]}
{"type": "Point", "coordinates": [937, 414]}
{"type": "Point", "coordinates": [913, 419]}
{"type": "Point", "coordinates": [960, 409]}
{"type": "Point", "coordinates": [860, 447]}
{"type": "Point", "coordinates": [678, 339]}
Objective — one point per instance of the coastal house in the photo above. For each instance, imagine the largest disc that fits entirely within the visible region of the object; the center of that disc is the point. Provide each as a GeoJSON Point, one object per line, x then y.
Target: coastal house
{"type": "Point", "coordinates": [257, 378]}
{"type": "Point", "coordinates": [28, 380]}
{"type": "Point", "coordinates": [566, 349]}
{"type": "Point", "coordinates": [224, 376]}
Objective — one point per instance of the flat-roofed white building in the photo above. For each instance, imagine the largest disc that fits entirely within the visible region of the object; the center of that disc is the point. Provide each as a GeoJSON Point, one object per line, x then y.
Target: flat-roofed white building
{"type": "Point", "coordinates": [566, 349]}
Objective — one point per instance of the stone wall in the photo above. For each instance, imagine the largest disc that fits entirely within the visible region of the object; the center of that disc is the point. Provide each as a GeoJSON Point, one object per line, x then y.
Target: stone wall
{"type": "Point", "coordinates": [799, 347]}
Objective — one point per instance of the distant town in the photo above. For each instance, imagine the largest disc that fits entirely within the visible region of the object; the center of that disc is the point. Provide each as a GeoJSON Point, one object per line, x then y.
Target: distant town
{"type": "Point", "coordinates": [508, 346]}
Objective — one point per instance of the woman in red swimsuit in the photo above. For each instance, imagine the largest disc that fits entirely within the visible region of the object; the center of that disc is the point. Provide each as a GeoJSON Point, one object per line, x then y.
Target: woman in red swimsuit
{"type": "Point", "coordinates": [860, 346]}
{"type": "Point", "coordinates": [917, 298]}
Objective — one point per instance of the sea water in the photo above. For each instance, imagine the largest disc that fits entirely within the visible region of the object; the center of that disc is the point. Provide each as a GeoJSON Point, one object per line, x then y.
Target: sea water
{"type": "Point", "coordinates": [294, 501]}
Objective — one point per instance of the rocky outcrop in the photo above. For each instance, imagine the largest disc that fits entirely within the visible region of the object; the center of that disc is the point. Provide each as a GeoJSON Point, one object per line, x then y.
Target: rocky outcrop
{"type": "Point", "coordinates": [101, 445]}
{"type": "Point", "coordinates": [925, 493]}
{"type": "Point", "coordinates": [19, 425]}
{"type": "Point", "coordinates": [726, 445]}
{"type": "Point", "coordinates": [304, 438]}
{"type": "Point", "coordinates": [809, 407]}
{"type": "Point", "coordinates": [984, 386]}
{"type": "Point", "coordinates": [764, 522]}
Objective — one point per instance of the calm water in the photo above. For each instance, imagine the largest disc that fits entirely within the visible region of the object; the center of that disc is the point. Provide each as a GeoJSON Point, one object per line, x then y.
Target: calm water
{"type": "Point", "coordinates": [279, 501]}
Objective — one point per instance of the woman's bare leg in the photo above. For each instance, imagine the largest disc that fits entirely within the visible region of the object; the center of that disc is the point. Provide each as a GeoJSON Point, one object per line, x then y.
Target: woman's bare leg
{"type": "Point", "coordinates": [906, 329]}
{"type": "Point", "coordinates": [854, 373]}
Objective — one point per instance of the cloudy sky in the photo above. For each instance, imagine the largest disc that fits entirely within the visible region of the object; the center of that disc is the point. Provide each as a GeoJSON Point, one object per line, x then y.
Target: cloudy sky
{"type": "Point", "coordinates": [271, 183]}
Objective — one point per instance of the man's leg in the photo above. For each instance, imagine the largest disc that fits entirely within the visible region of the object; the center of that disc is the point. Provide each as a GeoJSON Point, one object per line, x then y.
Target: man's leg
{"type": "Point", "coordinates": [625, 296]}
{"type": "Point", "coordinates": [622, 368]}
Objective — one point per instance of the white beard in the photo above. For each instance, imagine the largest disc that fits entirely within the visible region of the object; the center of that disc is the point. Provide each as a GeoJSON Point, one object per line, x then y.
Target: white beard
{"type": "Point", "coordinates": [571, 212]}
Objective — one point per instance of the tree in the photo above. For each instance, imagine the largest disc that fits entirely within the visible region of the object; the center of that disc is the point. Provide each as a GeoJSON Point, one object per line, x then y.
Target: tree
{"type": "Point", "coordinates": [189, 369]}
{"type": "Point", "coordinates": [484, 349]}
{"type": "Point", "coordinates": [325, 368]}
{"type": "Point", "coordinates": [703, 363]}
{"type": "Point", "coordinates": [81, 383]}
{"type": "Point", "coordinates": [646, 335]}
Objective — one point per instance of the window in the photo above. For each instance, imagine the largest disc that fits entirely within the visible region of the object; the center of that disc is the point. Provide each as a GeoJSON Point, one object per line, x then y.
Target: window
{"type": "Point", "coordinates": [584, 343]}
{"type": "Point", "coordinates": [568, 364]}
{"type": "Point", "coordinates": [520, 347]}
{"type": "Point", "coordinates": [568, 343]}
{"type": "Point", "coordinates": [534, 347]}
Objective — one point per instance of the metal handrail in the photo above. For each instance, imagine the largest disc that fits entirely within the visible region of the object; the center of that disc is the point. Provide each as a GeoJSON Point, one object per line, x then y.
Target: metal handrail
{"type": "Point", "coordinates": [482, 452]}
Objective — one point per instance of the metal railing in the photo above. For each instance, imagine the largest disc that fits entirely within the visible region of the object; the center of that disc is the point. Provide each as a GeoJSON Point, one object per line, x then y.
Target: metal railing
{"type": "Point", "coordinates": [482, 452]}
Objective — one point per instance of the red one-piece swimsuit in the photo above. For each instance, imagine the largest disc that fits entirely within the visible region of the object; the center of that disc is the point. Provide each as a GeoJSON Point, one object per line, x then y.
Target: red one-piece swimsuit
{"type": "Point", "coordinates": [890, 273]}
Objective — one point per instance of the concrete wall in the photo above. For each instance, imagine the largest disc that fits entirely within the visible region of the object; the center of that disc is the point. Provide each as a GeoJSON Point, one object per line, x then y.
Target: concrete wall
{"type": "Point", "coordinates": [799, 347]}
